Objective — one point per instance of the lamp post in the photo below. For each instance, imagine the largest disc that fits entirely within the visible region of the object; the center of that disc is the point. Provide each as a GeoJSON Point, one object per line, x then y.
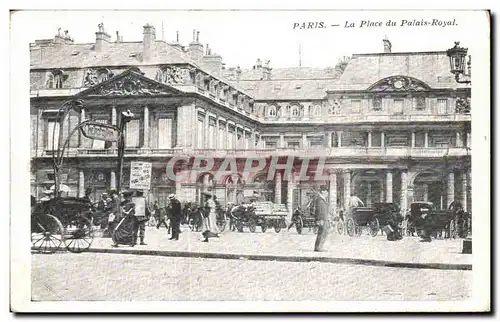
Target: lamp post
{"type": "Point", "coordinates": [125, 117]}
{"type": "Point", "coordinates": [57, 155]}
{"type": "Point", "coordinates": [457, 63]}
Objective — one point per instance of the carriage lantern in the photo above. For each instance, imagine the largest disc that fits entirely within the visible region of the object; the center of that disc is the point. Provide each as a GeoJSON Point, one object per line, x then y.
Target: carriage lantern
{"type": "Point", "coordinates": [457, 62]}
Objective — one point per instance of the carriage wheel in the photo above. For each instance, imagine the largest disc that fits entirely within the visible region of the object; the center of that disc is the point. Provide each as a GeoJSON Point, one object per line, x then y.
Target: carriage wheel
{"type": "Point", "coordinates": [298, 225]}
{"type": "Point", "coordinates": [251, 225]}
{"type": "Point", "coordinates": [79, 235]}
{"type": "Point", "coordinates": [263, 227]}
{"type": "Point", "coordinates": [340, 227]}
{"type": "Point", "coordinates": [350, 227]}
{"type": "Point", "coordinates": [374, 227]}
{"type": "Point", "coordinates": [47, 233]}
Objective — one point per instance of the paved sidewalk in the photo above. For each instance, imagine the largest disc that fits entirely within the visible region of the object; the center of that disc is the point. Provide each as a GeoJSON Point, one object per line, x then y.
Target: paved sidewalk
{"type": "Point", "coordinates": [290, 246]}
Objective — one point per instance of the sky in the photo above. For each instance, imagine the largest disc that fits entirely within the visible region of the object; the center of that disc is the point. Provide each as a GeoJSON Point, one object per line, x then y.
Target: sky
{"type": "Point", "coordinates": [241, 37]}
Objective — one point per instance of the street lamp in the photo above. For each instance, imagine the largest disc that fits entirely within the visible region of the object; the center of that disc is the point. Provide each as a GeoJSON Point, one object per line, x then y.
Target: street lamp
{"type": "Point", "coordinates": [75, 105]}
{"type": "Point", "coordinates": [124, 119]}
{"type": "Point", "coordinates": [457, 63]}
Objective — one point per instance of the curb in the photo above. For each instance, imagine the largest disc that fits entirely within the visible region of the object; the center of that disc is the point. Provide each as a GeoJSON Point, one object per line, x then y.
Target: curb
{"type": "Point", "coordinates": [332, 260]}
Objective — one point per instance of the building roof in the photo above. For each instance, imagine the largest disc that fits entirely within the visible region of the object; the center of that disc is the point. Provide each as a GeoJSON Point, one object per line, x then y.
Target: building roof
{"type": "Point", "coordinates": [364, 70]}
{"type": "Point", "coordinates": [289, 89]}
{"type": "Point", "coordinates": [284, 73]}
{"type": "Point", "coordinates": [117, 54]}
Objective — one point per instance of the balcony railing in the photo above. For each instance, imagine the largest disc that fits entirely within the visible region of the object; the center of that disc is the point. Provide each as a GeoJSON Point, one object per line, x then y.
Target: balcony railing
{"type": "Point", "coordinates": [342, 152]}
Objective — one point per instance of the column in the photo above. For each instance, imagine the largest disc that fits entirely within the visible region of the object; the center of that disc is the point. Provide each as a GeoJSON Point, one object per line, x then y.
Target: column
{"type": "Point", "coordinates": [254, 139]}
{"type": "Point", "coordinates": [339, 138]}
{"type": "Point", "coordinates": [227, 136]}
{"type": "Point", "coordinates": [413, 139]}
{"type": "Point", "coordinates": [332, 194]}
{"type": "Point", "coordinates": [146, 128]}
{"type": "Point", "coordinates": [469, 143]}
{"type": "Point", "coordinates": [347, 188]}
{"type": "Point", "coordinates": [216, 133]}
{"type": "Point", "coordinates": [304, 141]}
{"type": "Point", "coordinates": [369, 139]}
{"type": "Point", "coordinates": [81, 184]}
{"type": "Point", "coordinates": [426, 139]}
{"type": "Point", "coordinates": [113, 122]}
{"type": "Point", "coordinates": [382, 139]}
{"type": "Point", "coordinates": [282, 140]}
{"type": "Point", "coordinates": [388, 186]}
{"type": "Point", "coordinates": [206, 124]}
{"type": "Point", "coordinates": [458, 140]}
{"type": "Point", "coordinates": [81, 142]}
{"type": "Point", "coordinates": [404, 191]}
{"type": "Point", "coordinates": [112, 184]}
{"type": "Point", "coordinates": [329, 139]}
{"type": "Point", "coordinates": [464, 190]}
{"type": "Point", "coordinates": [277, 188]}
{"type": "Point", "coordinates": [289, 197]}
{"type": "Point", "coordinates": [450, 191]}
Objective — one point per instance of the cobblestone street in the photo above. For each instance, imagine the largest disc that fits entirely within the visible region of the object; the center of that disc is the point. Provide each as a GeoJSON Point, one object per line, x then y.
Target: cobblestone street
{"type": "Point", "coordinates": [111, 277]}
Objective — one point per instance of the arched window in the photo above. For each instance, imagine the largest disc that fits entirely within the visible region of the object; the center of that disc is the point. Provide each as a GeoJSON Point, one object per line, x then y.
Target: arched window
{"type": "Point", "coordinates": [295, 111]}
{"type": "Point", "coordinates": [271, 111]}
{"type": "Point", "coordinates": [317, 110]}
{"type": "Point", "coordinates": [103, 75]}
{"type": "Point", "coordinates": [50, 81]}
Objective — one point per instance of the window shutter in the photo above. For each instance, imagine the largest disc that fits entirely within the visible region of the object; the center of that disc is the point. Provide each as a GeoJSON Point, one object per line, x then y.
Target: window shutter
{"type": "Point", "coordinates": [165, 133]}
{"type": "Point", "coordinates": [132, 134]}
{"type": "Point", "coordinates": [52, 134]}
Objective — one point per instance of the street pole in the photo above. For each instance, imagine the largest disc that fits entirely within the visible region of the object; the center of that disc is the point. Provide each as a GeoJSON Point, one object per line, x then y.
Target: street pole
{"type": "Point", "coordinates": [125, 117]}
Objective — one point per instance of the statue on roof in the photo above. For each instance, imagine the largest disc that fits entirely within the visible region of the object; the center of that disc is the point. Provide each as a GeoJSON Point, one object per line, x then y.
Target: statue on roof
{"type": "Point", "coordinates": [59, 31]}
{"type": "Point", "coordinates": [266, 63]}
{"type": "Point", "coordinates": [101, 27]}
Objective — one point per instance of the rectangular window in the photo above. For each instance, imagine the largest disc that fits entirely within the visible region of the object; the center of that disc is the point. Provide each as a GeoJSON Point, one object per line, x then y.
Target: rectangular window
{"type": "Point", "coordinates": [131, 134]}
{"type": "Point", "coordinates": [34, 130]}
{"type": "Point", "coordinates": [200, 133]}
{"type": "Point", "coordinates": [420, 103]}
{"type": "Point", "coordinates": [356, 106]}
{"type": "Point", "coordinates": [271, 144]}
{"type": "Point", "coordinates": [398, 106]}
{"type": "Point", "coordinates": [99, 144]}
{"type": "Point", "coordinates": [293, 145]}
{"type": "Point", "coordinates": [230, 140]}
{"type": "Point", "coordinates": [222, 137]}
{"type": "Point", "coordinates": [52, 134]}
{"type": "Point", "coordinates": [211, 133]}
{"type": "Point", "coordinates": [442, 106]}
{"type": "Point", "coordinates": [165, 133]}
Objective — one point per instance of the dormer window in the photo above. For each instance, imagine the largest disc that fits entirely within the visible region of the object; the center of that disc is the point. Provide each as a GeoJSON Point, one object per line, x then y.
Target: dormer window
{"type": "Point", "coordinates": [317, 110]}
{"type": "Point", "coordinates": [50, 81]}
{"type": "Point", "coordinates": [56, 79]}
{"type": "Point", "coordinates": [271, 111]}
{"type": "Point", "coordinates": [295, 111]}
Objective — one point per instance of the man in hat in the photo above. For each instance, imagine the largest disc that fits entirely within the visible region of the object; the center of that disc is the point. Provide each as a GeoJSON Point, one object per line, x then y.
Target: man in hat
{"type": "Point", "coordinates": [142, 215]}
{"type": "Point", "coordinates": [175, 211]}
{"type": "Point", "coordinates": [321, 212]}
{"type": "Point", "coordinates": [210, 220]}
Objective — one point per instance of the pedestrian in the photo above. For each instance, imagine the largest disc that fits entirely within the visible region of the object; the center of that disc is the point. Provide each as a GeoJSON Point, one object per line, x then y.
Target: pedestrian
{"type": "Point", "coordinates": [176, 216]}
{"type": "Point", "coordinates": [125, 230]}
{"type": "Point", "coordinates": [88, 192]}
{"type": "Point", "coordinates": [162, 218]}
{"type": "Point", "coordinates": [142, 215]}
{"type": "Point", "coordinates": [322, 216]}
{"type": "Point", "coordinates": [114, 214]}
{"type": "Point", "coordinates": [210, 218]}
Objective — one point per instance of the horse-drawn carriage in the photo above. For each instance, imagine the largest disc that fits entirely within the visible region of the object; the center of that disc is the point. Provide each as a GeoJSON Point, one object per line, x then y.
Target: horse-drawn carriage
{"type": "Point", "coordinates": [428, 221]}
{"type": "Point", "coordinates": [373, 218]}
{"type": "Point", "coordinates": [261, 213]}
{"type": "Point", "coordinates": [62, 221]}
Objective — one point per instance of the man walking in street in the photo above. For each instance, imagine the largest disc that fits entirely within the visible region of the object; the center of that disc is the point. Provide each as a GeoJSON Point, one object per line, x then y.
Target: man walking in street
{"type": "Point", "coordinates": [210, 220]}
{"type": "Point", "coordinates": [142, 215]}
{"type": "Point", "coordinates": [322, 213]}
{"type": "Point", "coordinates": [175, 209]}
{"type": "Point", "coordinates": [161, 214]}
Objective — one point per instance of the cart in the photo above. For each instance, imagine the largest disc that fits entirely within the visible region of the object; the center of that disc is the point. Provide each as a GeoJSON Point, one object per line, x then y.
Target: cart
{"type": "Point", "coordinates": [270, 215]}
{"type": "Point", "coordinates": [62, 221]}
{"type": "Point", "coordinates": [360, 218]}
{"type": "Point", "coordinates": [428, 221]}
{"type": "Point", "coordinates": [304, 217]}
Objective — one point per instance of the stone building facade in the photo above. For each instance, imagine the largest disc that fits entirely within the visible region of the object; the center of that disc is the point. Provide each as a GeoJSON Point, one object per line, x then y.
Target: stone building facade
{"type": "Point", "coordinates": [388, 127]}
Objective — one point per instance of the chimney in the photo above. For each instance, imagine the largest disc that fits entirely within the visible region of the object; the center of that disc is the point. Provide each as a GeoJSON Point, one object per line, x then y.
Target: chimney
{"type": "Point", "coordinates": [212, 62]}
{"type": "Point", "coordinates": [176, 43]}
{"type": "Point", "coordinates": [195, 49]}
{"type": "Point", "coordinates": [387, 45]}
{"type": "Point", "coordinates": [148, 41]}
{"type": "Point", "coordinates": [118, 37]}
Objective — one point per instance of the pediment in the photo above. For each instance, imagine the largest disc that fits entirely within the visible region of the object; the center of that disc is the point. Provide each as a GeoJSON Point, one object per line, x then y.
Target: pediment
{"type": "Point", "coordinates": [399, 84]}
{"type": "Point", "coordinates": [130, 83]}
